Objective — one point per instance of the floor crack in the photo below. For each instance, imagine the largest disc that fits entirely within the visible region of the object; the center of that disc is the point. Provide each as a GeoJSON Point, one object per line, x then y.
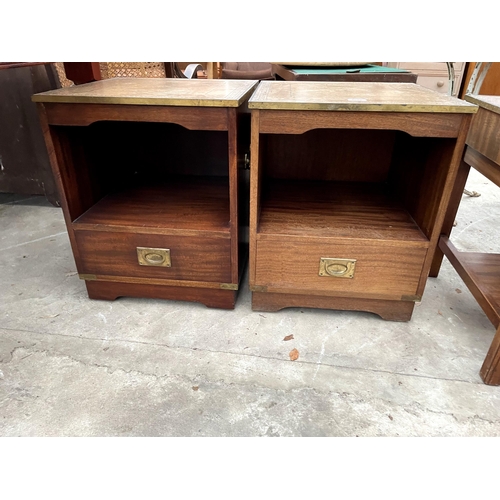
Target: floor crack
{"type": "Point", "coordinates": [250, 355]}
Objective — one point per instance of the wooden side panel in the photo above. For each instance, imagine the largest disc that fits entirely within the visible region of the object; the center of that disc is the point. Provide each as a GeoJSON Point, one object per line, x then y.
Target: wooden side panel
{"type": "Point", "coordinates": [233, 191]}
{"type": "Point", "coordinates": [484, 134]}
{"type": "Point", "coordinates": [418, 175]}
{"type": "Point", "coordinates": [60, 175]}
{"type": "Point", "coordinates": [79, 173]}
{"type": "Point", "coordinates": [255, 192]}
{"type": "Point", "coordinates": [424, 176]}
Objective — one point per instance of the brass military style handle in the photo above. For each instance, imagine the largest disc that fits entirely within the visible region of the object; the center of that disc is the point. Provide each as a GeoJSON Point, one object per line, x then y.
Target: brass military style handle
{"type": "Point", "coordinates": [153, 256]}
{"type": "Point", "coordinates": [337, 268]}
{"type": "Point", "coordinates": [155, 259]}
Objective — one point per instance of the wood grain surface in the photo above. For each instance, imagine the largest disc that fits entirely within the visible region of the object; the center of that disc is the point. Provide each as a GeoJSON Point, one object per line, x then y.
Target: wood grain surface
{"type": "Point", "coordinates": [191, 118]}
{"type": "Point", "coordinates": [484, 134]}
{"type": "Point", "coordinates": [190, 204]}
{"type": "Point", "coordinates": [325, 209]}
{"type": "Point", "coordinates": [416, 124]}
{"type": "Point", "coordinates": [491, 102]}
{"type": "Point", "coordinates": [390, 310]}
{"type": "Point", "coordinates": [382, 271]}
{"type": "Point", "coordinates": [484, 165]}
{"type": "Point", "coordinates": [152, 164]}
{"type": "Point", "coordinates": [329, 154]}
{"type": "Point", "coordinates": [103, 290]}
{"type": "Point", "coordinates": [362, 96]}
{"type": "Point", "coordinates": [490, 371]}
{"type": "Point", "coordinates": [193, 258]}
{"type": "Point", "coordinates": [155, 91]}
{"type": "Point", "coordinates": [481, 273]}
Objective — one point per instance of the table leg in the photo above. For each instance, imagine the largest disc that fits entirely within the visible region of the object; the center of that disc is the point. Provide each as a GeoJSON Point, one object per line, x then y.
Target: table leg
{"type": "Point", "coordinates": [451, 213]}
{"type": "Point", "coordinates": [490, 371]}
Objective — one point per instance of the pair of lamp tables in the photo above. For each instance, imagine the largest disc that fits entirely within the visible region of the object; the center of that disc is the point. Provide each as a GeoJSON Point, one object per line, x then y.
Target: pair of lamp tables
{"type": "Point", "coordinates": [337, 192]}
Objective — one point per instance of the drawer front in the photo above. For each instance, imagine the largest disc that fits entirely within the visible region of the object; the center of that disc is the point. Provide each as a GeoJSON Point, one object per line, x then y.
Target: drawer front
{"type": "Point", "coordinates": [377, 269]}
{"type": "Point", "coordinates": [439, 83]}
{"type": "Point", "coordinates": [191, 258]}
{"type": "Point", "coordinates": [427, 67]}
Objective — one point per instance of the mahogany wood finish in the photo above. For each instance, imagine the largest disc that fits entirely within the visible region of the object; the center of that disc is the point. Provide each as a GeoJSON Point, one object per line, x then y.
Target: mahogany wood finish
{"type": "Point", "coordinates": [166, 174]}
{"type": "Point", "coordinates": [76, 114]}
{"type": "Point", "coordinates": [479, 271]}
{"type": "Point", "coordinates": [390, 310]}
{"type": "Point", "coordinates": [450, 214]}
{"type": "Point", "coordinates": [351, 176]}
{"type": "Point", "coordinates": [193, 258]}
{"type": "Point", "coordinates": [188, 205]}
{"type": "Point", "coordinates": [104, 290]}
{"type": "Point", "coordinates": [485, 135]}
{"type": "Point", "coordinates": [82, 72]}
{"type": "Point", "coordinates": [421, 125]}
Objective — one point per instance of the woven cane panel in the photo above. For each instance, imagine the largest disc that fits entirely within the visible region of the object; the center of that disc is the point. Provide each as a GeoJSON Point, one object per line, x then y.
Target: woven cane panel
{"type": "Point", "coordinates": [132, 70]}
{"type": "Point", "coordinates": [62, 75]}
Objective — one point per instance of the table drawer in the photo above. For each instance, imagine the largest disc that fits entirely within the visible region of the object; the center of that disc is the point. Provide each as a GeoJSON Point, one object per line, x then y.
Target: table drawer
{"type": "Point", "coordinates": [378, 269]}
{"type": "Point", "coordinates": [438, 83]}
{"type": "Point", "coordinates": [428, 67]}
{"type": "Point", "coordinates": [191, 258]}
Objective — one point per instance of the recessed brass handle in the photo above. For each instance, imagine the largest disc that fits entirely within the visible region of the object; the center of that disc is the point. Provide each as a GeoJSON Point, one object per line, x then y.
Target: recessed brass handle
{"type": "Point", "coordinates": [153, 256]}
{"type": "Point", "coordinates": [337, 268]}
{"type": "Point", "coordinates": [155, 259]}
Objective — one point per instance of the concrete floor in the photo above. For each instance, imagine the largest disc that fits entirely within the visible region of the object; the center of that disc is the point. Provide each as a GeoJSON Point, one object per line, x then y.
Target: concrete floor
{"type": "Point", "coordinates": [71, 366]}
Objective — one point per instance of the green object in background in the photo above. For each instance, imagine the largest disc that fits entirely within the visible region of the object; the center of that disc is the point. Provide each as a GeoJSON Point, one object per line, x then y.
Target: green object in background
{"type": "Point", "coordinates": [369, 68]}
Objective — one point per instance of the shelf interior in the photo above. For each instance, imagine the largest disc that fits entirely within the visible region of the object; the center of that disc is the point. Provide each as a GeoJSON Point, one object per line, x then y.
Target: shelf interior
{"type": "Point", "coordinates": [320, 209]}
{"type": "Point", "coordinates": [486, 269]}
{"type": "Point", "coordinates": [481, 273]}
{"type": "Point", "coordinates": [198, 203]}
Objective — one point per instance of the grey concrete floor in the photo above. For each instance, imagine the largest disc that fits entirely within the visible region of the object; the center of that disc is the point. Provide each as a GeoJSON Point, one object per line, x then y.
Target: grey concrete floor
{"type": "Point", "coordinates": [71, 366]}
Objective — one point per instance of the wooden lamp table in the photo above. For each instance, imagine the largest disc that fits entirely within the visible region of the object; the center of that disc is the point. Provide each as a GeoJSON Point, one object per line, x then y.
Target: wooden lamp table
{"type": "Point", "coordinates": [149, 173]}
{"type": "Point", "coordinates": [479, 271]}
{"type": "Point", "coordinates": [349, 186]}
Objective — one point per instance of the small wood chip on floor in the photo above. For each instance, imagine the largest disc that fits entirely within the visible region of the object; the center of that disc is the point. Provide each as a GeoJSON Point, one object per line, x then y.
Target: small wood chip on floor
{"type": "Point", "coordinates": [294, 355]}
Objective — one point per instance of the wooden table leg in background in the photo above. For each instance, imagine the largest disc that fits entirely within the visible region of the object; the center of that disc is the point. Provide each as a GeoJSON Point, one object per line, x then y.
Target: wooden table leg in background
{"type": "Point", "coordinates": [451, 213]}
{"type": "Point", "coordinates": [490, 371]}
